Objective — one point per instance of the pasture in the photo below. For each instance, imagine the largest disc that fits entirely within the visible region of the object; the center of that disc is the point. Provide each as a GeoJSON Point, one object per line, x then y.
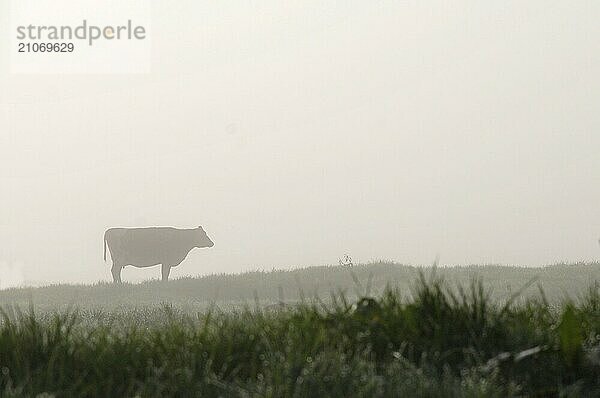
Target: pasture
{"type": "Point", "coordinates": [227, 291]}
{"type": "Point", "coordinates": [324, 331]}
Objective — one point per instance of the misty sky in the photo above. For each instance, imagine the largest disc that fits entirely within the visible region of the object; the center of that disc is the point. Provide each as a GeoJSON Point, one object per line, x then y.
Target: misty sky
{"type": "Point", "coordinates": [297, 132]}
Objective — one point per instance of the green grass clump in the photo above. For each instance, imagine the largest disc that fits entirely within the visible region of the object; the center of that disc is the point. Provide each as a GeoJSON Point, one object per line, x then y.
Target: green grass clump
{"type": "Point", "coordinates": [442, 342]}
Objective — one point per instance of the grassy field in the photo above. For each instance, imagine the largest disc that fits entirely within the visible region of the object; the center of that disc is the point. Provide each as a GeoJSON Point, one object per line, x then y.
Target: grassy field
{"type": "Point", "coordinates": [325, 331]}
{"type": "Point", "coordinates": [268, 288]}
{"type": "Point", "coordinates": [442, 342]}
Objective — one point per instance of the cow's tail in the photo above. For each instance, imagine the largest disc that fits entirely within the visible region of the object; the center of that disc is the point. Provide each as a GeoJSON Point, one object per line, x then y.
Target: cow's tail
{"type": "Point", "coordinates": [105, 245]}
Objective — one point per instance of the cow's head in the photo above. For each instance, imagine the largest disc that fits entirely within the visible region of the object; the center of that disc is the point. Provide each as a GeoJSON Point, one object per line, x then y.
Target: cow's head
{"type": "Point", "coordinates": [202, 239]}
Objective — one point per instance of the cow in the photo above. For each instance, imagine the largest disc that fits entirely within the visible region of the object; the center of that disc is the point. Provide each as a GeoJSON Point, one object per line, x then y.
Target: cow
{"type": "Point", "coordinates": [146, 247]}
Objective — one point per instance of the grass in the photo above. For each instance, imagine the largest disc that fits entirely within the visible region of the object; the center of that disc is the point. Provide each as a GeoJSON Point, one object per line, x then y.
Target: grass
{"type": "Point", "coordinates": [268, 288]}
{"type": "Point", "coordinates": [440, 341]}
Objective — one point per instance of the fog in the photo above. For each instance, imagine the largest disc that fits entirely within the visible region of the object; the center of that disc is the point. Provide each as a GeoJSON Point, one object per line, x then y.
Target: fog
{"type": "Point", "coordinates": [297, 132]}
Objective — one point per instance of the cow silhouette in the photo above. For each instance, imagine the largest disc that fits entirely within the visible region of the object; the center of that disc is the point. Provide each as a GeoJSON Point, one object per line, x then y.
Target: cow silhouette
{"type": "Point", "coordinates": [146, 247]}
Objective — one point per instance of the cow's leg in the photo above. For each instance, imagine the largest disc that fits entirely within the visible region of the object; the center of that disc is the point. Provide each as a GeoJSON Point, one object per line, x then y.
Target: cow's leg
{"type": "Point", "coordinates": [116, 272]}
{"type": "Point", "coordinates": [166, 269]}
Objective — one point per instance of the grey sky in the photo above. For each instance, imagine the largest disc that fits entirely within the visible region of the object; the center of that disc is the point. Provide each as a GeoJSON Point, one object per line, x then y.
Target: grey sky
{"type": "Point", "coordinates": [295, 132]}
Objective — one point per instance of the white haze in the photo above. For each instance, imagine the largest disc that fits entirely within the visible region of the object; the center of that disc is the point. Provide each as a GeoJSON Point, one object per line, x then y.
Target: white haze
{"type": "Point", "coordinates": [296, 132]}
